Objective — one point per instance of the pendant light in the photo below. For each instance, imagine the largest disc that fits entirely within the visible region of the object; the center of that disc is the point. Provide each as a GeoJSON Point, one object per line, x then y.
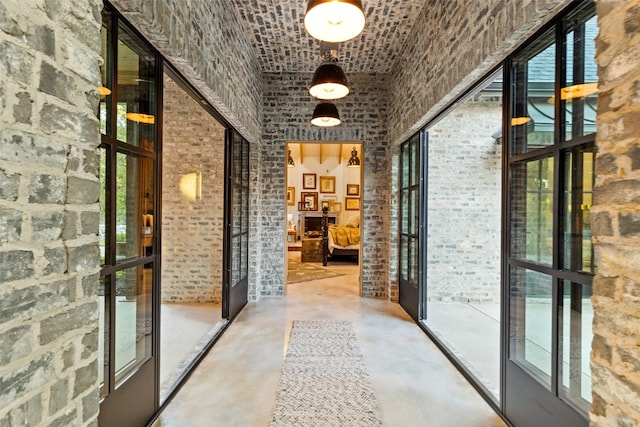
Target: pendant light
{"type": "Point", "coordinates": [354, 161]}
{"type": "Point", "coordinates": [334, 20]}
{"type": "Point", "coordinates": [290, 161]}
{"type": "Point", "coordinates": [325, 115]}
{"type": "Point", "coordinates": [329, 81]}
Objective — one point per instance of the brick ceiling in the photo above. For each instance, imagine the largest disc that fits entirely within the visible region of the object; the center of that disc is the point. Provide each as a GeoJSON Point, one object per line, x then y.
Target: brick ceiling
{"type": "Point", "coordinates": [276, 30]}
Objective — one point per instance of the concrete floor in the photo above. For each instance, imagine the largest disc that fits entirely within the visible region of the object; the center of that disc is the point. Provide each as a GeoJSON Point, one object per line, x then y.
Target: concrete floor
{"type": "Point", "coordinates": [414, 383]}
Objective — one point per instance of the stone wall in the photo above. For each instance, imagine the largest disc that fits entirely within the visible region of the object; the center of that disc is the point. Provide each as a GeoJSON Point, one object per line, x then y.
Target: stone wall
{"type": "Point", "coordinates": [287, 111]}
{"type": "Point", "coordinates": [452, 45]}
{"type": "Point", "coordinates": [192, 227]}
{"type": "Point", "coordinates": [49, 258]}
{"type": "Point", "coordinates": [464, 203]}
{"type": "Point", "coordinates": [615, 361]}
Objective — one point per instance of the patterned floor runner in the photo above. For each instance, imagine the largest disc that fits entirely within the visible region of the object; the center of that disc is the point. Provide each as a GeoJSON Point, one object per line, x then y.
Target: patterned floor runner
{"type": "Point", "coordinates": [324, 380]}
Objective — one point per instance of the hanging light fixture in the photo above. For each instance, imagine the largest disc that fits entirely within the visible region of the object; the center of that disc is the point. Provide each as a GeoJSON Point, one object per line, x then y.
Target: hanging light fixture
{"type": "Point", "coordinates": [290, 161]}
{"type": "Point", "coordinates": [334, 20]}
{"type": "Point", "coordinates": [354, 161]}
{"type": "Point", "coordinates": [325, 115]}
{"type": "Point", "coordinates": [329, 81]}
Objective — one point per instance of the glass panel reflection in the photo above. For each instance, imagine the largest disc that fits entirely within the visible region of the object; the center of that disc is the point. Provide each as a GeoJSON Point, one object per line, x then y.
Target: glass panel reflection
{"type": "Point", "coordinates": [133, 319]}
{"type": "Point", "coordinates": [531, 322]}
{"type": "Point", "coordinates": [134, 206]}
{"type": "Point", "coordinates": [532, 109]}
{"type": "Point", "coordinates": [577, 319]}
{"type": "Point", "coordinates": [404, 258]}
{"type": "Point", "coordinates": [104, 296]}
{"type": "Point", "coordinates": [102, 227]}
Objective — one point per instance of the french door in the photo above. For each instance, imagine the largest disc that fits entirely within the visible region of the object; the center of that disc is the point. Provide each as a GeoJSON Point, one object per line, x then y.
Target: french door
{"type": "Point", "coordinates": [412, 211]}
{"type": "Point", "coordinates": [128, 229]}
{"type": "Point", "coordinates": [549, 264]}
{"type": "Point", "coordinates": [236, 282]}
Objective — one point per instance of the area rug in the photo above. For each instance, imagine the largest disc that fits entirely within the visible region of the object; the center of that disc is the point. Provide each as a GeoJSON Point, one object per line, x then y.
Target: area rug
{"type": "Point", "coordinates": [324, 380]}
{"type": "Point", "coordinates": [305, 272]}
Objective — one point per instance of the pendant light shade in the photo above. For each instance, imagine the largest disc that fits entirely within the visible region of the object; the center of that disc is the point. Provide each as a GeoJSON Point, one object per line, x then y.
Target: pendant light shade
{"type": "Point", "coordinates": [329, 82]}
{"type": "Point", "coordinates": [290, 161]}
{"type": "Point", "coordinates": [334, 20]}
{"type": "Point", "coordinates": [354, 161]}
{"type": "Point", "coordinates": [325, 115]}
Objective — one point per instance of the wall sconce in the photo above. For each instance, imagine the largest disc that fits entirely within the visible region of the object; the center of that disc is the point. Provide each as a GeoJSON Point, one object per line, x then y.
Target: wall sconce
{"type": "Point", "coordinates": [334, 20]}
{"type": "Point", "coordinates": [290, 161]}
{"type": "Point", "coordinates": [191, 186]}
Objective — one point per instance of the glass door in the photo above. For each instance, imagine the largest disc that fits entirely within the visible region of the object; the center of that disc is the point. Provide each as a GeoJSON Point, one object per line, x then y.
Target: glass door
{"type": "Point", "coordinates": [411, 225]}
{"type": "Point", "coordinates": [549, 267]}
{"type": "Point", "coordinates": [236, 282]}
{"type": "Point", "coordinates": [128, 227]}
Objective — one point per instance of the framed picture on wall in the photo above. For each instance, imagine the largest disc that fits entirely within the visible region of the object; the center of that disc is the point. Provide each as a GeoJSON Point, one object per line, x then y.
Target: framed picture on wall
{"type": "Point", "coordinates": [310, 198]}
{"type": "Point", "coordinates": [335, 206]}
{"type": "Point", "coordinates": [291, 196]}
{"type": "Point", "coordinates": [327, 184]}
{"type": "Point", "coordinates": [303, 206]}
{"type": "Point", "coordinates": [351, 203]}
{"type": "Point", "coordinates": [353, 189]}
{"type": "Point", "coordinates": [309, 181]}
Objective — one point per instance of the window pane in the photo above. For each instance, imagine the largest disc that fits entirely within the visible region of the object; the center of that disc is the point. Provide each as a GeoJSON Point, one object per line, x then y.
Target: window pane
{"type": "Point", "coordinates": [578, 198]}
{"type": "Point", "coordinates": [404, 165]}
{"type": "Point", "coordinates": [577, 317]}
{"type": "Point", "coordinates": [414, 202]}
{"type": "Point", "coordinates": [404, 212]}
{"type": "Point", "coordinates": [102, 228]}
{"type": "Point", "coordinates": [532, 210]}
{"type": "Point", "coordinates": [413, 144]}
{"type": "Point", "coordinates": [531, 317]}
{"type": "Point", "coordinates": [133, 319]}
{"type": "Point", "coordinates": [579, 96]}
{"type": "Point", "coordinates": [136, 92]}
{"type": "Point", "coordinates": [532, 105]}
{"type": "Point", "coordinates": [104, 296]}
{"type": "Point", "coordinates": [134, 206]}
{"type": "Point", "coordinates": [404, 258]}
{"type": "Point", "coordinates": [413, 260]}
{"type": "Point", "coordinates": [106, 87]}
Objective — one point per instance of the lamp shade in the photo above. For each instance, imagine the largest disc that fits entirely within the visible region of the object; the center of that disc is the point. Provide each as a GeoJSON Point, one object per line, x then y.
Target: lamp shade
{"type": "Point", "coordinates": [334, 20]}
{"type": "Point", "coordinates": [325, 115]}
{"type": "Point", "coordinates": [290, 161]}
{"type": "Point", "coordinates": [329, 82]}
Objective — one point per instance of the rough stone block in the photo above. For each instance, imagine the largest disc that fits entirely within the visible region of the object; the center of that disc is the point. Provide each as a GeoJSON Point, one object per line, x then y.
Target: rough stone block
{"type": "Point", "coordinates": [34, 300]}
{"type": "Point", "coordinates": [82, 191]}
{"type": "Point", "coordinates": [83, 258]}
{"type": "Point", "coordinates": [70, 231]}
{"type": "Point", "coordinates": [30, 376]}
{"type": "Point", "coordinates": [16, 265]}
{"type": "Point", "coordinates": [90, 343]}
{"type": "Point", "coordinates": [86, 378]}
{"type": "Point", "coordinates": [67, 419]}
{"type": "Point", "coordinates": [56, 83]}
{"type": "Point", "coordinates": [47, 225]}
{"type": "Point", "coordinates": [55, 326]}
{"type": "Point", "coordinates": [15, 344]}
{"type": "Point", "coordinates": [68, 357]}
{"type": "Point", "coordinates": [10, 225]}
{"type": "Point", "coordinates": [90, 285]}
{"type": "Point", "coordinates": [9, 185]}
{"type": "Point", "coordinates": [23, 109]}
{"type": "Point", "coordinates": [90, 406]}
{"type": "Point", "coordinates": [57, 259]}
{"type": "Point", "coordinates": [90, 222]}
{"type": "Point", "coordinates": [629, 224]}
{"type": "Point", "coordinates": [27, 414]}
{"type": "Point", "coordinates": [21, 147]}
{"type": "Point", "coordinates": [58, 120]}
{"type": "Point", "coordinates": [47, 189]}
{"type": "Point", "coordinates": [59, 396]}
{"type": "Point", "coordinates": [15, 62]}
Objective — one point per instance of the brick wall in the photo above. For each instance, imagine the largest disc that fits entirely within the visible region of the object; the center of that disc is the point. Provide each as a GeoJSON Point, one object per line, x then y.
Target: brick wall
{"type": "Point", "coordinates": [615, 218]}
{"type": "Point", "coordinates": [452, 45]}
{"type": "Point", "coordinates": [205, 41]}
{"type": "Point", "coordinates": [287, 112]}
{"type": "Point", "coordinates": [192, 230]}
{"type": "Point", "coordinates": [464, 203]}
{"type": "Point", "coordinates": [49, 212]}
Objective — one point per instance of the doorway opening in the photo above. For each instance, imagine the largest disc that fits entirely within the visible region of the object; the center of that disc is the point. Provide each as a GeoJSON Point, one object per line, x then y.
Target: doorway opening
{"type": "Point", "coordinates": [324, 175]}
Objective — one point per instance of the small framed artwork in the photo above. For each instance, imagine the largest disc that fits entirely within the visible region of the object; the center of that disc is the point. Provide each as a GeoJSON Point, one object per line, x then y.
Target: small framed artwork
{"type": "Point", "coordinates": [326, 204]}
{"type": "Point", "coordinates": [309, 181]}
{"type": "Point", "coordinates": [310, 198]}
{"type": "Point", "coordinates": [335, 206]}
{"type": "Point", "coordinates": [327, 184]}
{"type": "Point", "coordinates": [351, 203]}
{"type": "Point", "coordinates": [291, 196]}
{"type": "Point", "coordinates": [303, 206]}
{"type": "Point", "coordinates": [353, 189]}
